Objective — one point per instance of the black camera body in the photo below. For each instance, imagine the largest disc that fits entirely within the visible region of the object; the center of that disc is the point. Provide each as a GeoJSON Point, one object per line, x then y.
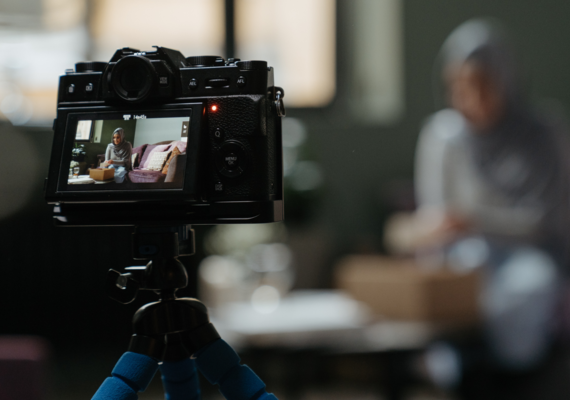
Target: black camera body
{"type": "Point", "coordinates": [166, 139]}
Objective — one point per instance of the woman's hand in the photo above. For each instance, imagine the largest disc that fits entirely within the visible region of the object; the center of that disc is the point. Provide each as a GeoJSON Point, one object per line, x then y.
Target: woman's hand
{"type": "Point", "coordinates": [425, 229]}
{"type": "Point", "coordinates": [439, 228]}
{"type": "Point", "coordinates": [109, 162]}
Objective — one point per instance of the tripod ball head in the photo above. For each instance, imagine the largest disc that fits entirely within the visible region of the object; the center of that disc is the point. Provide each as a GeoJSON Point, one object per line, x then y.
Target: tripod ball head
{"type": "Point", "coordinates": [164, 276]}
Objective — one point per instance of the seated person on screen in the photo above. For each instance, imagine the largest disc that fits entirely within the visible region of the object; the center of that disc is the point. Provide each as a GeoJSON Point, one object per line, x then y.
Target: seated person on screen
{"type": "Point", "coordinates": [118, 155]}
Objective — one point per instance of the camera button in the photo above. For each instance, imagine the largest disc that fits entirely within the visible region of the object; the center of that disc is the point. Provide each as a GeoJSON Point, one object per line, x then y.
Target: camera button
{"type": "Point", "coordinates": [71, 89]}
{"type": "Point", "coordinates": [231, 159]}
{"type": "Point", "coordinates": [89, 87]}
{"type": "Point", "coordinates": [163, 80]}
{"type": "Point", "coordinates": [241, 81]}
{"type": "Point", "coordinates": [232, 173]}
{"type": "Point", "coordinates": [217, 82]}
{"type": "Point", "coordinates": [218, 134]}
{"type": "Point", "coordinates": [193, 84]}
{"type": "Point", "coordinates": [218, 187]}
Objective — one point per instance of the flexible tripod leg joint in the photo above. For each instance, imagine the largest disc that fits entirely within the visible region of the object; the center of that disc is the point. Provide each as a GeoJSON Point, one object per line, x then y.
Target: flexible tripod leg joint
{"type": "Point", "coordinates": [132, 374]}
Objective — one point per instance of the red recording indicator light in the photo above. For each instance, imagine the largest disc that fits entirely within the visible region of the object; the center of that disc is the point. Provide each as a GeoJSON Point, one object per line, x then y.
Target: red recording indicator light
{"type": "Point", "coordinates": [214, 108]}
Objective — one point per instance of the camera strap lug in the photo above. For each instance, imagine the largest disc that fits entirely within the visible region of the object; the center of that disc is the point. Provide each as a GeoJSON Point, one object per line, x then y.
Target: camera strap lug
{"type": "Point", "coordinates": [279, 105]}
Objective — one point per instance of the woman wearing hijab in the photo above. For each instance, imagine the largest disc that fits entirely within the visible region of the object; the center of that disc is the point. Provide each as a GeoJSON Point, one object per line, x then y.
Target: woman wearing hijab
{"type": "Point", "coordinates": [118, 155]}
{"type": "Point", "coordinates": [492, 173]}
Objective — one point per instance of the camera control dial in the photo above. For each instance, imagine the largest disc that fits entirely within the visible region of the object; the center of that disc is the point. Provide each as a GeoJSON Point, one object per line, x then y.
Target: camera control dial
{"type": "Point", "coordinates": [90, 66]}
{"type": "Point", "coordinates": [231, 159]}
{"type": "Point", "coordinates": [252, 65]}
{"type": "Point", "coordinates": [205, 61]}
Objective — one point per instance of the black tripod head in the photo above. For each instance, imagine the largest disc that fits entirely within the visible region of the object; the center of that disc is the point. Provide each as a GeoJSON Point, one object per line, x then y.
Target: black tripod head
{"type": "Point", "coordinates": [170, 328]}
{"type": "Point", "coordinates": [174, 332]}
{"type": "Point", "coordinates": [164, 273]}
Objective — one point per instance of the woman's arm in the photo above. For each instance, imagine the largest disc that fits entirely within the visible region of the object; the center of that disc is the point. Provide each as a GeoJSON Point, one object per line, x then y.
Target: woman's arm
{"type": "Point", "coordinates": [440, 181]}
{"type": "Point", "coordinates": [435, 161]}
{"type": "Point", "coordinates": [111, 158]}
{"type": "Point", "coordinates": [108, 155]}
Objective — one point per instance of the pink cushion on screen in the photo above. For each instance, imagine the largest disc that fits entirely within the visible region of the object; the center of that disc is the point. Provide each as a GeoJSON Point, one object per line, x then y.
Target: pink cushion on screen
{"type": "Point", "coordinates": [148, 154]}
{"type": "Point", "coordinates": [140, 151]}
{"type": "Point", "coordinates": [180, 144]}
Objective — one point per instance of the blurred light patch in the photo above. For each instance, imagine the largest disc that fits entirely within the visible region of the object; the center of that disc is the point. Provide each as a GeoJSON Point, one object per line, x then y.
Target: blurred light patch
{"type": "Point", "coordinates": [269, 257]}
{"type": "Point", "coordinates": [220, 271]}
{"type": "Point", "coordinates": [443, 364]}
{"type": "Point", "coordinates": [527, 271]}
{"type": "Point", "coordinates": [265, 299]}
{"type": "Point", "coordinates": [297, 38]}
{"type": "Point", "coordinates": [468, 254]}
{"type": "Point", "coordinates": [194, 27]}
{"type": "Point", "coordinates": [238, 239]}
{"type": "Point", "coordinates": [63, 14]}
{"type": "Point", "coordinates": [377, 69]}
{"type": "Point", "coordinates": [294, 132]}
{"type": "Point", "coordinates": [306, 175]}
{"type": "Point", "coordinates": [17, 108]}
{"type": "Point", "coordinates": [299, 311]}
{"type": "Point", "coordinates": [223, 279]}
{"type": "Point", "coordinates": [294, 135]}
{"type": "Point", "coordinates": [42, 14]}
{"type": "Point", "coordinates": [290, 156]}
{"type": "Point", "coordinates": [32, 57]}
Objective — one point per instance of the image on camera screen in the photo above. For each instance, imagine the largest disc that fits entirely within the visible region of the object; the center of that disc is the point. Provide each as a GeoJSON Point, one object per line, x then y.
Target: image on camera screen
{"type": "Point", "coordinates": [129, 154]}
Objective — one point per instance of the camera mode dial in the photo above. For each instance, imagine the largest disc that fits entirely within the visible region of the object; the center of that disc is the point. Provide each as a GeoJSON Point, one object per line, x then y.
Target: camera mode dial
{"type": "Point", "coordinates": [205, 61]}
{"type": "Point", "coordinates": [90, 66]}
{"type": "Point", "coordinates": [231, 159]}
{"type": "Point", "coordinates": [253, 65]}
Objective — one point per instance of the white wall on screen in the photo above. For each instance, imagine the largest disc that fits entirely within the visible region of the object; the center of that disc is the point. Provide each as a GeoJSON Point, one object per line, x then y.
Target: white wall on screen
{"type": "Point", "coordinates": [150, 131]}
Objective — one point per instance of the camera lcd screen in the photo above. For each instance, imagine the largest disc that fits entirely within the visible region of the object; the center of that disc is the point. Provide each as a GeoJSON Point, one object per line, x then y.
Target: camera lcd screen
{"type": "Point", "coordinates": [126, 151]}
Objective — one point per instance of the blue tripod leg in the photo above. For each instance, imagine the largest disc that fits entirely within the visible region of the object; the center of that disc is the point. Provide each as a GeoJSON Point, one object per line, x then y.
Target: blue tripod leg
{"type": "Point", "coordinates": [132, 374]}
{"type": "Point", "coordinates": [180, 380]}
{"type": "Point", "coordinates": [220, 364]}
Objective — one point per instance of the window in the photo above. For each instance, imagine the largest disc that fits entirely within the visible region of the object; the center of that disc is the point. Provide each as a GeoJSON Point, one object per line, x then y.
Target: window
{"type": "Point", "coordinates": [377, 72]}
{"type": "Point", "coordinates": [40, 39]}
{"type": "Point", "coordinates": [83, 133]}
{"type": "Point", "coordinates": [194, 27]}
{"type": "Point", "coordinates": [297, 38]}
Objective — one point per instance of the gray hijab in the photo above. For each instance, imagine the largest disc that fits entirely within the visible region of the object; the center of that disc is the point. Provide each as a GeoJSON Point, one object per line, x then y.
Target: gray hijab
{"type": "Point", "coordinates": [524, 155]}
{"type": "Point", "coordinates": [520, 156]}
{"type": "Point", "coordinates": [485, 42]}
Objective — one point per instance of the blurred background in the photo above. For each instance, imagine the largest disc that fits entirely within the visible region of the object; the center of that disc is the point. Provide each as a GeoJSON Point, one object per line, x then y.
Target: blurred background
{"type": "Point", "coordinates": [359, 83]}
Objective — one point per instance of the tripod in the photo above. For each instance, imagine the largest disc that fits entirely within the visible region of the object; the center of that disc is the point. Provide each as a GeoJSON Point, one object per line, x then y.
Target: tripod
{"type": "Point", "coordinates": [173, 335]}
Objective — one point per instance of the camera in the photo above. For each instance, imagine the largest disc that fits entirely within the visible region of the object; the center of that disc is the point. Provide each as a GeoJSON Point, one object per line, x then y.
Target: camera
{"type": "Point", "coordinates": [157, 138]}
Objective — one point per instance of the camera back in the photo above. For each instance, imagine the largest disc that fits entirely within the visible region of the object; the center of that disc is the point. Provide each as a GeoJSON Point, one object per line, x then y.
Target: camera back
{"type": "Point", "coordinates": [158, 138]}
